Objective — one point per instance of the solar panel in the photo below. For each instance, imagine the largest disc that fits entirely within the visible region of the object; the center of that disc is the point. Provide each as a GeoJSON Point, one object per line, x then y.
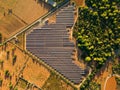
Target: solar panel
{"type": "Point", "coordinates": [51, 44]}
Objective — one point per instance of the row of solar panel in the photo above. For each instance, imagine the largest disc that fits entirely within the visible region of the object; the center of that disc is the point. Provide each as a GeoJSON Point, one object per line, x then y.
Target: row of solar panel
{"type": "Point", "coordinates": [52, 45]}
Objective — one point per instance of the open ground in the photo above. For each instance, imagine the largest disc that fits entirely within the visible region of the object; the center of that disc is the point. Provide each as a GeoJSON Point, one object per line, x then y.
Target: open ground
{"type": "Point", "coordinates": [16, 14]}
{"type": "Point", "coordinates": [26, 72]}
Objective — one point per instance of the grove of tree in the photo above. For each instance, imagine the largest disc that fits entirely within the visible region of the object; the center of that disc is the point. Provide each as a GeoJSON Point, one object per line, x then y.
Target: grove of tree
{"type": "Point", "coordinates": [98, 29]}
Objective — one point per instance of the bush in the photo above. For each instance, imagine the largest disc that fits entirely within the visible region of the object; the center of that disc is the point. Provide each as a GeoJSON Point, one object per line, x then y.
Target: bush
{"type": "Point", "coordinates": [1, 82]}
{"type": "Point", "coordinates": [116, 69]}
{"type": "Point", "coordinates": [10, 86]}
{"type": "Point", "coordinates": [7, 73]}
{"type": "Point", "coordinates": [118, 80]}
{"type": "Point", "coordinates": [14, 59]}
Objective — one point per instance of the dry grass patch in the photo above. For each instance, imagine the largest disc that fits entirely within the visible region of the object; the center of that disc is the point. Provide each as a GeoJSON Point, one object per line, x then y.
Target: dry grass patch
{"type": "Point", "coordinates": [35, 73]}
{"type": "Point", "coordinates": [21, 85]}
{"type": "Point", "coordinates": [8, 65]}
{"type": "Point", "coordinates": [54, 82]}
{"type": "Point", "coordinates": [23, 13]}
{"type": "Point", "coordinates": [79, 2]}
{"type": "Point", "coordinates": [10, 25]}
{"type": "Point", "coordinates": [31, 9]}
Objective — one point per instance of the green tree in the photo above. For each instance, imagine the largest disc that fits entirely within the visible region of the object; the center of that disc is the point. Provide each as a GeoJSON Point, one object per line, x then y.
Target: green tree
{"type": "Point", "coordinates": [14, 59]}
{"type": "Point", "coordinates": [7, 73]}
{"type": "Point", "coordinates": [1, 64]}
{"type": "Point", "coordinates": [10, 86]}
{"type": "Point", "coordinates": [98, 29]}
{"type": "Point", "coordinates": [1, 80]}
{"type": "Point", "coordinates": [87, 59]}
{"type": "Point", "coordinates": [7, 56]}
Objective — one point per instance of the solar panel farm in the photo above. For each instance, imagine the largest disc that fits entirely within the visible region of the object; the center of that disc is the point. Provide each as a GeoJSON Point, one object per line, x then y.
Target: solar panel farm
{"type": "Point", "coordinates": [49, 45]}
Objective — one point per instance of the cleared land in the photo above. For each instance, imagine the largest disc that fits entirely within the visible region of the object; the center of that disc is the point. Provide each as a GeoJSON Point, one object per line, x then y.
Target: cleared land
{"type": "Point", "coordinates": [111, 84]}
{"type": "Point", "coordinates": [8, 65]}
{"type": "Point", "coordinates": [26, 72]}
{"type": "Point", "coordinates": [35, 73]}
{"type": "Point", "coordinates": [103, 74]}
{"type": "Point", "coordinates": [24, 66]}
{"type": "Point", "coordinates": [79, 2]}
{"type": "Point", "coordinates": [16, 14]}
{"type": "Point", "coordinates": [22, 15]}
{"type": "Point", "coordinates": [54, 82]}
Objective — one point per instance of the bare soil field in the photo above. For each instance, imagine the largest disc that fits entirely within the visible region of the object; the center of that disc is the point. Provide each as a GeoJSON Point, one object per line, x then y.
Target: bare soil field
{"type": "Point", "coordinates": [26, 72]}
{"type": "Point", "coordinates": [16, 14]}
{"type": "Point", "coordinates": [10, 25]}
{"type": "Point", "coordinates": [31, 9]}
{"type": "Point", "coordinates": [54, 82]}
{"type": "Point", "coordinates": [23, 66]}
{"type": "Point", "coordinates": [8, 65]}
{"type": "Point", "coordinates": [35, 73]}
{"type": "Point", "coordinates": [111, 84]}
{"type": "Point", "coordinates": [79, 2]}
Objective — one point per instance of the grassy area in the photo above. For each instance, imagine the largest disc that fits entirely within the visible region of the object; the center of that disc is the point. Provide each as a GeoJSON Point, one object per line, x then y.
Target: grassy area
{"type": "Point", "coordinates": [9, 72]}
{"type": "Point", "coordinates": [56, 83]}
{"type": "Point", "coordinates": [116, 69]}
{"type": "Point", "coordinates": [36, 73]}
{"type": "Point", "coordinates": [21, 40]}
{"type": "Point", "coordinates": [22, 84]}
{"type": "Point", "coordinates": [52, 83]}
{"type": "Point", "coordinates": [5, 5]}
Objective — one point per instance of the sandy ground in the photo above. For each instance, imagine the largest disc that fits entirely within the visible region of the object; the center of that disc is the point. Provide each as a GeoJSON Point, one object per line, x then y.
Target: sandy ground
{"type": "Point", "coordinates": [13, 69]}
{"type": "Point", "coordinates": [111, 84]}
{"type": "Point", "coordinates": [24, 12]}
{"type": "Point", "coordinates": [35, 73]}
{"type": "Point", "coordinates": [79, 2]}
{"type": "Point", "coordinates": [9, 25]}
{"type": "Point", "coordinates": [31, 9]}
{"type": "Point", "coordinates": [52, 18]}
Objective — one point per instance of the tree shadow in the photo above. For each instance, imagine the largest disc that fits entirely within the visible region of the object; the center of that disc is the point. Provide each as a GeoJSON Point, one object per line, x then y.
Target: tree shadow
{"type": "Point", "coordinates": [43, 4]}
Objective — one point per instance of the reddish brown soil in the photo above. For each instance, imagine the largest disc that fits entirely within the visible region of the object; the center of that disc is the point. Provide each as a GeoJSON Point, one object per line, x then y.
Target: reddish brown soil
{"type": "Point", "coordinates": [79, 2]}
{"type": "Point", "coordinates": [111, 84]}
{"type": "Point", "coordinates": [102, 75]}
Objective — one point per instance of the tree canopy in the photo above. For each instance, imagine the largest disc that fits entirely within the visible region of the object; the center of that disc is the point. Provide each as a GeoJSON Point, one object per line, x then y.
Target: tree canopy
{"type": "Point", "coordinates": [98, 29]}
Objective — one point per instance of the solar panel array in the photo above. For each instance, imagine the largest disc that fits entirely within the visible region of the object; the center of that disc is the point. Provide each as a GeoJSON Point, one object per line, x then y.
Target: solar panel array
{"type": "Point", "coordinates": [52, 45]}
